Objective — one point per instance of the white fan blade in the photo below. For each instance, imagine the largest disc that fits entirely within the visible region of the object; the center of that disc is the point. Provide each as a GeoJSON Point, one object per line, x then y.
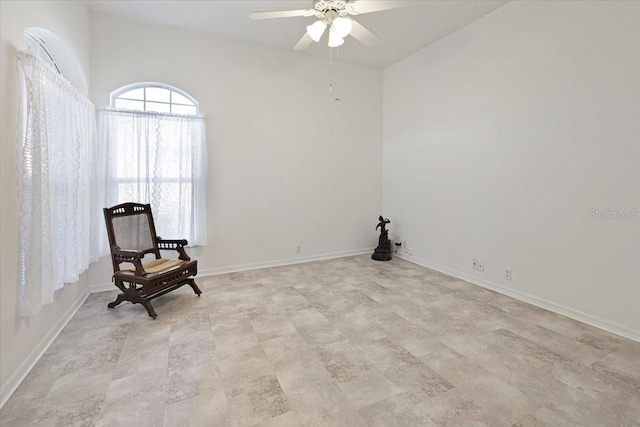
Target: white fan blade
{"type": "Point", "coordinates": [304, 42]}
{"type": "Point", "coordinates": [368, 6]}
{"type": "Point", "coordinates": [364, 36]}
{"type": "Point", "coordinates": [281, 14]}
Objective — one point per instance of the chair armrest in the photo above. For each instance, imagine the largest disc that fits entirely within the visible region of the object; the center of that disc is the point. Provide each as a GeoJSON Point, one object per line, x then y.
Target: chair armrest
{"type": "Point", "coordinates": [134, 257]}
{"type": "Point", "coordinates": [175, 245]}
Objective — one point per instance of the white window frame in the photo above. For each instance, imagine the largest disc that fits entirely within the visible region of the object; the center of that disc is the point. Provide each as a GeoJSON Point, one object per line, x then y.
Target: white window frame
{"type": "Point", "coordinates": [116, 94]}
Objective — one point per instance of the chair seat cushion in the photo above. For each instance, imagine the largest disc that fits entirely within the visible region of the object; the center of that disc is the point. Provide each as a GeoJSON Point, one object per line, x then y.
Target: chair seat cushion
{"type": "Point", "coordinates": [162, 264]}
{"type": "Point", "coordinates": [159, 265]}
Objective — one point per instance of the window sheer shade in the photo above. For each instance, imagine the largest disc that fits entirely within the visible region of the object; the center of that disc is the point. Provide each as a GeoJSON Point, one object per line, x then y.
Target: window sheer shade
{"type": "Point", "coordinates": [58, 212]}
{"type": "Point", "coordinates": [157, 159]}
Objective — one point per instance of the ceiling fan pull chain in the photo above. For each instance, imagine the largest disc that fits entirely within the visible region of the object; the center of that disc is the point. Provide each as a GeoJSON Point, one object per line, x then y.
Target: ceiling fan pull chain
{"type": "Point", "coordinates": [330, 69]}
{"type": "Point", "coordinates": [337, 99]}
{"type": "Point", "coordinates": [334, 75]}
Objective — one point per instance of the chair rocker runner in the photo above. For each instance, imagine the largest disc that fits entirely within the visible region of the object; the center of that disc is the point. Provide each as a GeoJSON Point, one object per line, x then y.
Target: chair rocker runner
{"type": "Point", "coordinates": [132, 235]}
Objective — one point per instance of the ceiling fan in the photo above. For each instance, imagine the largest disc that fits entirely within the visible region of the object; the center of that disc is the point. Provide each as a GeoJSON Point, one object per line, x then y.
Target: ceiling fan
{"type": "Point", "coordinates": [335, 14]}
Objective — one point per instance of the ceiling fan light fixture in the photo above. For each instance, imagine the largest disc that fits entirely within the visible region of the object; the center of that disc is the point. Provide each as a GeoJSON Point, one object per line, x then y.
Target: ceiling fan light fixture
{"type": "Point", "coordinates": [342, 26]}
{"type": "Point", "coordinates": [316, 30]}
{"type": "Point", "coordinates": [334, 39]}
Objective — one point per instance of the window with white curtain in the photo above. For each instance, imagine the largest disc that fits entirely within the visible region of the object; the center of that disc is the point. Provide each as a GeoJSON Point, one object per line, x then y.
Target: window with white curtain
{"type": "Point", "coordinates": [153, 150]}
{"type": "Point", "coordinates": [57, 212]}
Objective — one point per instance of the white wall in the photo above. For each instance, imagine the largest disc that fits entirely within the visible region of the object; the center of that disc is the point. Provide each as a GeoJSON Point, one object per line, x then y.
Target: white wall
{"type": "Point", "coordinates": [22, 339]}
{"type": "Point", "coordinates": [287, 164]}
{"type": "Point", "coordinates": [501, 138]}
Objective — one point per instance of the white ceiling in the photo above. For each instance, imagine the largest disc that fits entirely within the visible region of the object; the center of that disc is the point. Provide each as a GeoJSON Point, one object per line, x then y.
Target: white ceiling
{"type": "Point", "coordinates": [402, 31]}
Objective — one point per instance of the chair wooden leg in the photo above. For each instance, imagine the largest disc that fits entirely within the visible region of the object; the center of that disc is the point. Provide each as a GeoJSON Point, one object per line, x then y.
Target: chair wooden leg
{"type": "Point", "coordinates": [149, 307]}
{"type": "Point", "coordinates": [118, 300]}
{"type": "Point", "coordinates": [195, 287]}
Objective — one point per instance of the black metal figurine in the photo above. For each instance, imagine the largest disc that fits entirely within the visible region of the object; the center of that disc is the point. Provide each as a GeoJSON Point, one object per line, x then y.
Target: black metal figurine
{"type": "Point", "coordinates": [383, 251]}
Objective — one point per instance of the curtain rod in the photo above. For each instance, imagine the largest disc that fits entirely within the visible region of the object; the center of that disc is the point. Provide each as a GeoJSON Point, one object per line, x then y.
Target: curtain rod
{"type": "Point", "coordinates": [150, 113]}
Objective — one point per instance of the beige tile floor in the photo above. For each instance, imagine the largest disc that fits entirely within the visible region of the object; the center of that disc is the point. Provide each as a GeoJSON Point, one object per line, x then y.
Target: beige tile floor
{"type": "Point", "coordinates": [344, 342]}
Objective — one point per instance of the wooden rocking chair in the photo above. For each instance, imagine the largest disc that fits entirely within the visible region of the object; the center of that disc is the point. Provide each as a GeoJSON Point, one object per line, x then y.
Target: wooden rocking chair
{"type": "Point", "coordinates": [132, 235]}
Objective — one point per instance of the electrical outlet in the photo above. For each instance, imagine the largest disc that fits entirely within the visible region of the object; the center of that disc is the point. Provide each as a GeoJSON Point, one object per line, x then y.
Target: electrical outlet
{"type": "Point", "coordinates": [507, 273]}
{"type": "Point", "coordinates": [410, 251]}
{"type": "Point", "coordinates": [397, 244]}
{"type": "Point", "coordinates": [298, 248]}
{"type": "Point", "coordinates": [480, 265]}
{"type": "Point", "coordinates": [475, 264]}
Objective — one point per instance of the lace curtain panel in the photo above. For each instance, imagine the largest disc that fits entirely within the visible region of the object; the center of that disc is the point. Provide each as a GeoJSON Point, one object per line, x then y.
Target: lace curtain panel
{"type": "Point", "coordinates": [158, 159]}
{"type": "Point", "coordinates": [57, 207]}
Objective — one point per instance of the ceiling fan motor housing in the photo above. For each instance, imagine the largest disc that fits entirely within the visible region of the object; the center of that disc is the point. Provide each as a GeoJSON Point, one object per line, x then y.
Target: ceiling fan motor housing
{"type": "Point", "coordinates": [339, 7]}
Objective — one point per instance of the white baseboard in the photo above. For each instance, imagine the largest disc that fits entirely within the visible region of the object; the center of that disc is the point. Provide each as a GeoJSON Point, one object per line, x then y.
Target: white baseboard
{"type": "Point", "coordinates": [12, 384]}
{"type": "Point", "coordinates": [589, 319]}
{"type": "Point", "coordinates": [103, 287]}
{"type": "Point", "coordinates": [281, 262]}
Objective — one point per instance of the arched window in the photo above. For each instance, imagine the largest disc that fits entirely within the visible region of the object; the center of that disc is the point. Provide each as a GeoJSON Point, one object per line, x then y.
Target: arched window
{"type": "Point", "coordinates": [153, 142]}
{"type": "Point", "coordinates": [52, 50]}
{"type": "Point", "coordinates": [154, 97]}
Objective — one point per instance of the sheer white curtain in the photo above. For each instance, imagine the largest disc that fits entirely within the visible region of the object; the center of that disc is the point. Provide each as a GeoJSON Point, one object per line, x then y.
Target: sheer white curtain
{"type": "Point", "coordinates": [57, 218]}
{"type": "Point", "coordinates": [158, 159]}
